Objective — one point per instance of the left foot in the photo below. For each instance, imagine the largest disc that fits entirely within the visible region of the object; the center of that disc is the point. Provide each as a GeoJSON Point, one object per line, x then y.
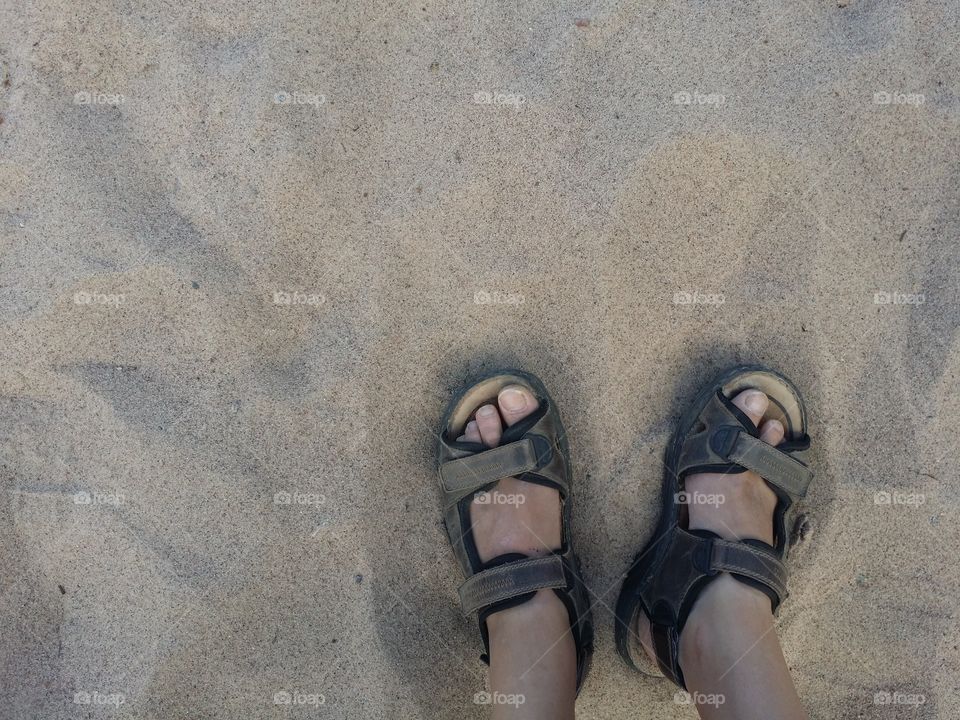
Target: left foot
{"type": "Point", "coordinates": [532, 651]}
{"type": "Point", "coordinates": [529, 525]}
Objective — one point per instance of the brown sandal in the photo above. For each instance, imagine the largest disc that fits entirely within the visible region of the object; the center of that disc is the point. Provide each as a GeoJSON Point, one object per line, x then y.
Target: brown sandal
{"type": "Point", "coordinates": [714, 436]}
{"type": "Point", "coordinates": [533, 450]}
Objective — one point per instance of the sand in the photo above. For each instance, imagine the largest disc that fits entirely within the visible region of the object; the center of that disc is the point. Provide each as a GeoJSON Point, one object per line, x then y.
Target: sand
{"type": "Point", "coordinates": [249, 249]}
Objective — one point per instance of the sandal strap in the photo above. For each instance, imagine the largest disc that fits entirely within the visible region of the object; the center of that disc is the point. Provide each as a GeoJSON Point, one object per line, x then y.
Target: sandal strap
{"type": "Point", "coordinates": [773, 465]}
{"type": "Point", "coordinates": [729, 441]}
{"type": "Point", "coordinates": [507, 581]}
{"type": "Point", "coordinates": [693, 556]}
{"type": "Point", "coordinates": [698, 454]}
{"type": "Point", "coordinates": [690, 563]}
{"type": "Point", "coordinates": [533, 453]}
{"type": "Point", "coordinates": [739, 558]}
{"type": "Point", "coordinates": [464, 475]}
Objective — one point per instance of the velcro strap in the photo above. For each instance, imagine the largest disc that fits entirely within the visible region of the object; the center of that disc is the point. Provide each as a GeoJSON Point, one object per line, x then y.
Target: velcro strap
{"type": "Point", "coordinates": [510, 580]}
{"type": "Point", "coordinates": [742, 559]}
{"type": "Point", "coordinates": [461, 476]}
{"type": "Point", "coordinates": [774, 466]}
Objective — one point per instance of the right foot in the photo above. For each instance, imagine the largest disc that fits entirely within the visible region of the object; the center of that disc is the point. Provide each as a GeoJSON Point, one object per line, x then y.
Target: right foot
{"type": "Point", "coordinates": [745, 513]}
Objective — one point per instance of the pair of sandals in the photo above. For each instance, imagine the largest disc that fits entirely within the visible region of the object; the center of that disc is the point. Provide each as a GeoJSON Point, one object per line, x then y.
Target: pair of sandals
{"type": "Point", "coordinates": [669, 574]}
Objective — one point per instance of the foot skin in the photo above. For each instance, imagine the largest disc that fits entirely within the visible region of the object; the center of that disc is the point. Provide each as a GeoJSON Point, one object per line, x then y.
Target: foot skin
{"type": "Point", "coordinates": [532, 653]}
{"type": "Point", "coordinates": [727, 647]}
{"type": "Point", "coordinates": [530, 524]}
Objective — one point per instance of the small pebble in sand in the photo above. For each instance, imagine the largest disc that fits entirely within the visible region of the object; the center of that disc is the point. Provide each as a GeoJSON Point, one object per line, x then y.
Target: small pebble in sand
{"type": "Point", "coordinates": [358, 579]}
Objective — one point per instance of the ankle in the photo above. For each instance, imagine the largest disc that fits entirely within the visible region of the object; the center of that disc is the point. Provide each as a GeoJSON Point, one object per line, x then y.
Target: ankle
{"type": "Point", "coordinates": [727, 617]}
{"type": "Point", "coordinates": [543, 608]}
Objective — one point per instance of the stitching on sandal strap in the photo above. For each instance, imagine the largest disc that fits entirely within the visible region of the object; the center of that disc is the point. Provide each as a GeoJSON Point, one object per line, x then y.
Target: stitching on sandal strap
{"type": "Point", "coordinates": [466, 474]}
{"type": "Point", "coordinates": [774, 466]}
{"type": "Point", "coordinates": [741, 559]}
{"type": "Point", "coordinates": [506, 581]}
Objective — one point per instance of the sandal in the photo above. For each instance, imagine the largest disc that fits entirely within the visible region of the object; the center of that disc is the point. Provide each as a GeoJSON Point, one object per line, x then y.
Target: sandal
{"type": "Point", "coordinates": [677, 564]}
{"type": "Point", "coordinates": [533, 450]}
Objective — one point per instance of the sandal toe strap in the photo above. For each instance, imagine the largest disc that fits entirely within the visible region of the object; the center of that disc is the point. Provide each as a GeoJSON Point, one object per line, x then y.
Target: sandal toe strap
{"type": "Point", "coordinates": [503, 582]}
{"type": "Point", "coordinates": [773, 465]}
{"type": "Point", "coordinates": [728, 442]}
{"type": "Point", "coordinates": [532, 453]}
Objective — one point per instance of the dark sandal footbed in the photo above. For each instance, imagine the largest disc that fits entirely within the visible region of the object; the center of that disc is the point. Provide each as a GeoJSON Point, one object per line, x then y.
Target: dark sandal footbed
{"type": "Point", "coordinates": [785, 406]}
{"type": "Point", "coordinates": [460, 410]}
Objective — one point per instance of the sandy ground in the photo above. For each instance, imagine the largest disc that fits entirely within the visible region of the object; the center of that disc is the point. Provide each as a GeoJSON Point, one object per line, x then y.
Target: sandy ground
{"type": "Point", "coordinates": [211, 495]}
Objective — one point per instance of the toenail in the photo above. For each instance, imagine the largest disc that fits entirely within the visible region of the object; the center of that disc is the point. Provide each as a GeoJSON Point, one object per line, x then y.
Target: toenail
{"type": "Point", "coordinates": [513, 400]}
{"type": "Point", "coordinates": [773, 427]}
{"type": "Point", "coordinates": [486, 411]}
{"type": "Point", "coordinates": [755, 401]}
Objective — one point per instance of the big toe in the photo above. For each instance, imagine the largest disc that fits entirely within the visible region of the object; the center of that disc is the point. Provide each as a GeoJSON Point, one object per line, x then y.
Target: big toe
{"type": "Point", "coordinates": [753, 403]}
{"type": "Point", "coordinates": [516, 402]}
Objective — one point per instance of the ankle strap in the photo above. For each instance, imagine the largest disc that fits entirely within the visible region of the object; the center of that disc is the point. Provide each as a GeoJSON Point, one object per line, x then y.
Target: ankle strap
{"type": "Point", "coordinates": [504, 582]}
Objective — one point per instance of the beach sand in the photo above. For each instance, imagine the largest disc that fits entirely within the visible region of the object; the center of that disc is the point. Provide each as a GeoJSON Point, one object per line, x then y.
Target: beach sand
{"type": "Point", "coordinates": [249, 250]}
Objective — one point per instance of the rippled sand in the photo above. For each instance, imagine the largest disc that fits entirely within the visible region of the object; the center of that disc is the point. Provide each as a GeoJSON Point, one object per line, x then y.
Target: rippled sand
{"type": "Point", "coordinates": [248, 250]}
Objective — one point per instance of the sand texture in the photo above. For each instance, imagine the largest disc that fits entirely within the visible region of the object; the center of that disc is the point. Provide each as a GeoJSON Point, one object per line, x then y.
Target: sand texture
{"type": "Point", "coordinates": [247, 251]}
